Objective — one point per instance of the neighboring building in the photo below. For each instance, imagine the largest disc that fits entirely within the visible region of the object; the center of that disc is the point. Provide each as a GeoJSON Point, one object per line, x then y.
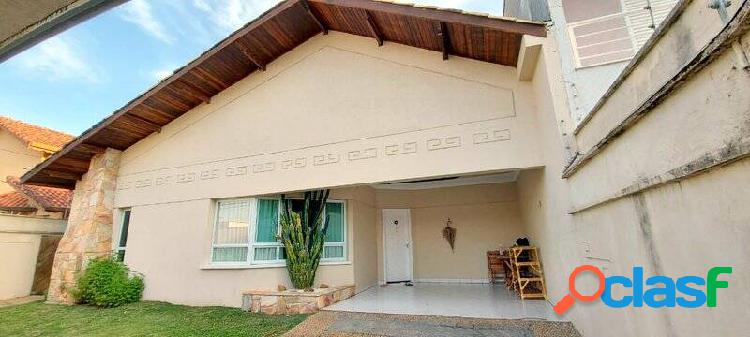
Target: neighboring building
{"type": "Point", "coordinates": [596, 38]}
{"type": "Point", "coordinates": [32, 218]}
{"type": "Point", "coordinates": [23, 146]}
{"type": "Point", "coordinates": [33, 200]}
{"type": "Point", "coordinates": [455, 116]}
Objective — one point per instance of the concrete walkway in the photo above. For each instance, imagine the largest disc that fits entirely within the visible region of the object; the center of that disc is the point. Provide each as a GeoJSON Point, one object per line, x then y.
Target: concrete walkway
{"type": "Point", "coordinates": [350, 324]}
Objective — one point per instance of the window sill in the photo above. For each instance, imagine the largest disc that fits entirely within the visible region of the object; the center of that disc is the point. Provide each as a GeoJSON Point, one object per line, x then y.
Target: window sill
{"type": "Point", "coordinates": [264, 266]}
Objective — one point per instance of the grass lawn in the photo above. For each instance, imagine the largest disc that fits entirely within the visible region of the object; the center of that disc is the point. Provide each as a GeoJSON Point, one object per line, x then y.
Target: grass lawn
{"type": "Point", "coordinates": [139, 319]}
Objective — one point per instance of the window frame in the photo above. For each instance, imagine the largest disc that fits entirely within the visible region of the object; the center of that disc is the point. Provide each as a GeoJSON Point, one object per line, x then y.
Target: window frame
{"type": "Point", "coordinates": [345, 242]}
{"type": "Point", "coordinates": [119, 249]}
{"type": "Point", "coordinates": [252, 244]}
{"type": "Point", "coordinates": [252, 210]}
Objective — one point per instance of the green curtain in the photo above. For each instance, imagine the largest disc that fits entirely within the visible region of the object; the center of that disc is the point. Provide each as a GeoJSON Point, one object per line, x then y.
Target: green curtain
{"type": "Point", "coordinates": [334, 212]}
{"type": "Point", "coordinates": [268, 220]}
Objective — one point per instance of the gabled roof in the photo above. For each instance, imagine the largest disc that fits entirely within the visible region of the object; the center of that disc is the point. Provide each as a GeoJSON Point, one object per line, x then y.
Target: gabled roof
{"type": "Point", "coordinates": [260, 42]}
{"type": "Point", "coordinates": [48, 198]}
{"type": "Point", "coordinates": [34, 134]}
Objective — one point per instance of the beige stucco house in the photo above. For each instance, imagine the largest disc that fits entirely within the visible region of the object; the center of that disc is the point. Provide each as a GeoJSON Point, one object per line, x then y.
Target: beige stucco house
{"type": "Point", "coordinates": [413, 116]}
{"type": "Point", "coordinates": [31, 217]}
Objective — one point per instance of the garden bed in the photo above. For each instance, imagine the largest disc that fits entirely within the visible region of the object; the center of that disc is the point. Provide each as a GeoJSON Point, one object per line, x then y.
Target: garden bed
{"type": "Point", "coordinates": [293, 301]}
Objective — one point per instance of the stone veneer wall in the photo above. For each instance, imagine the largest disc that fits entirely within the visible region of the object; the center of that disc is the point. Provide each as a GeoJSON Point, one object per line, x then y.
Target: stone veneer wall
{"type": "Point", "coordinates": [89, 231]}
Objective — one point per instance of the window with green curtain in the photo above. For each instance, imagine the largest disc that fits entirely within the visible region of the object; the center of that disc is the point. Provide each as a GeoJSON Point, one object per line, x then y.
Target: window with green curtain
{"type": "Point", "coordinates": [268, 220]}
{"type": "Point", "coordinates": [335, 236]}
{"type": "Point", "coordinates": [334, 212]}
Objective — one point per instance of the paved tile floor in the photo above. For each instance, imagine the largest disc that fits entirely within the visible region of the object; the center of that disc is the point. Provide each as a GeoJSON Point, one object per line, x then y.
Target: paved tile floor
{"type": "Point", "coordinates": [443, 299]}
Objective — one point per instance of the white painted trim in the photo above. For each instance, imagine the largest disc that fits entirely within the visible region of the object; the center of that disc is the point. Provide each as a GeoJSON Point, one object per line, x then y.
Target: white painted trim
{"type": "Point", "coordinates": [450, 280]}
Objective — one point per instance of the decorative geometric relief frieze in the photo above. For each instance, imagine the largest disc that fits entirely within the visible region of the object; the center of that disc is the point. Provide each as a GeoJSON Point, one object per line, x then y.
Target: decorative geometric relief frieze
{"type": "Point", "coordinates": [443, 143]}
{"type": "Point", "coordinates": [235, 171]}
{"type": "Point", "coordinates": [185, 178]}
{"type": "Point", "coordinates": [326, 159]}
{"type": "Point", "coordinates": [163, 180]}
{"type": "Point", "coordinates": [405, 148]}
{"type": "Point", "coordinates": [209, 174]}
{"type": "Point", "coordinates": [264, 167]}
{"type": "Point", "coordinates": [294, 163]}
{"type": "Point", "coordinates": [363, 154]}
{"type": "Point", "coordinates": [143, 183]}
{"type": "Point", "coordinates": [491, 136]}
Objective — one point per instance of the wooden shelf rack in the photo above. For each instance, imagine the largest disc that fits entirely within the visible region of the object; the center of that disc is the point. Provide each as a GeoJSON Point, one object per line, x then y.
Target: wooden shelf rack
{"type": "Point", "coordinates": [528, 277]}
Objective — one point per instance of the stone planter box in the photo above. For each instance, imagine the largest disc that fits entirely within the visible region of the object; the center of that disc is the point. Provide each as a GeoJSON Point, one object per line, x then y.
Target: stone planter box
{"type": "Point", "coordinates": [293, 301]}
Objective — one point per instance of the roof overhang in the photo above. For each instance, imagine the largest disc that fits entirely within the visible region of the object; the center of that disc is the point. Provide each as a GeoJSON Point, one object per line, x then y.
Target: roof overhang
{"type": "Point", "coordinates": [26, 23]}
{"type": "Point", "coordinates": [260, 42]}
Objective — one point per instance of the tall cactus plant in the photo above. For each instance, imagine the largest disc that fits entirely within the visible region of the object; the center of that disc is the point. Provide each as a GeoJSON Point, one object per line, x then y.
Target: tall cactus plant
{"type": "Point", "coordinates": [303, 235]}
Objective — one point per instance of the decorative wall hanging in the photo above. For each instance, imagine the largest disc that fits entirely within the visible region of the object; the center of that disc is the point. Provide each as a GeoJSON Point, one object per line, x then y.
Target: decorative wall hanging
{"type": "Point", "coordinates": [449, 234]}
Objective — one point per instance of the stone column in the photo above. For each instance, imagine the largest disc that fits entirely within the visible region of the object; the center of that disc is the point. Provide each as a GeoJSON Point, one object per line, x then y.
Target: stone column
{"type": "Point", "coordinates": [89, 231]}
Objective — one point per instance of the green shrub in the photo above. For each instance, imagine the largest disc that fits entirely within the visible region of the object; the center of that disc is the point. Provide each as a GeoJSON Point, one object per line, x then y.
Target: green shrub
{"type": "Point", "coordinates": [107, 282]}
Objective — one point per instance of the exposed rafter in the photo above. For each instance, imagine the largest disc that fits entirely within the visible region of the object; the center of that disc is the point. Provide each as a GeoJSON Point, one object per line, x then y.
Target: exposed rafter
{"type": "Point", "coordinates": [63, 175]}
{"type": "Point", "coordinates": [246, 51]}
{"type": "Point", "coordinates": [374, 30]}
{"type": "Point", "coordinates": [146, 122]}
{"type": "Point", "coordinates": [196, 91]}
{"type": "Point", "coordinates": [315, 17]}
{"type": "Point", "coordinates": [445, 41]}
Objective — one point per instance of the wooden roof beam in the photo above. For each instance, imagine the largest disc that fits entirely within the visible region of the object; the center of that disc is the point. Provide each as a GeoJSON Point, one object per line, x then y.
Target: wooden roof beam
{"type": "Point", "coordinates": [63, 175]}
{"type": "Point", "coordinates": [246, 51]}
{"type": "Point", "coordinates": [314, 17]}
{"type": "Point", "coordinates": [202, 94]}
{"type": "Point", "coordinates": [150, 124]}
{"type": "Point", "coordinates": [374, 29]}
{"type": "Point", "coordinates": [191, 91]}
{"type": "Point", "coordinates": [91, 148]}
{"type": "Point", "coordinates": [508, 26]}
{"type": "Point", "coordinates": [444, 39]}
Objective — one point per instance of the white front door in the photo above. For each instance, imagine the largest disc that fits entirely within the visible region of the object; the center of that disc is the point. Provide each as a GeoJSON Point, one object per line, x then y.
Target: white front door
{"type": "Point", "coordinates": [397, 236]}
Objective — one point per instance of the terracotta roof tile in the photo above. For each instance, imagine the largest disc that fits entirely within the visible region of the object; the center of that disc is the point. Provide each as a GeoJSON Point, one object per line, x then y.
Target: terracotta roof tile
{"type": "Point", "coordinates": [49, 198]}
{"type": "Point", "coordinates": [30, 133]}
{"type": "Point", "coordinates": [15, 200]}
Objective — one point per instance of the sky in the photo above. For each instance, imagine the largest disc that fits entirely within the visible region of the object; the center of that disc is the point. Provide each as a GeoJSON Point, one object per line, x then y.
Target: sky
{"type": "Point", "coordinates": [75, 79]}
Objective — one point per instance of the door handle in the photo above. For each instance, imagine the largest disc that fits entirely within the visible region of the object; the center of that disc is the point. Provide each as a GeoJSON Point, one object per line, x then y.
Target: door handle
{"type": "Point", "coordinates": [408, 245]}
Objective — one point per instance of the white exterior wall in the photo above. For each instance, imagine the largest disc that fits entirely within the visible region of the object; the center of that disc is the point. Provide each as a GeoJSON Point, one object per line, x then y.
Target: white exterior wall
{"type": "Point", "coordinates": [336, 111]}
{"type": "Point", "coordinates": [677, 229]}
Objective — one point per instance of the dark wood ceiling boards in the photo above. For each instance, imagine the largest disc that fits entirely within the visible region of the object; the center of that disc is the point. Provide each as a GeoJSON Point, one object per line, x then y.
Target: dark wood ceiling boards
{"type": "Point", "coordinates": [260, 42]}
